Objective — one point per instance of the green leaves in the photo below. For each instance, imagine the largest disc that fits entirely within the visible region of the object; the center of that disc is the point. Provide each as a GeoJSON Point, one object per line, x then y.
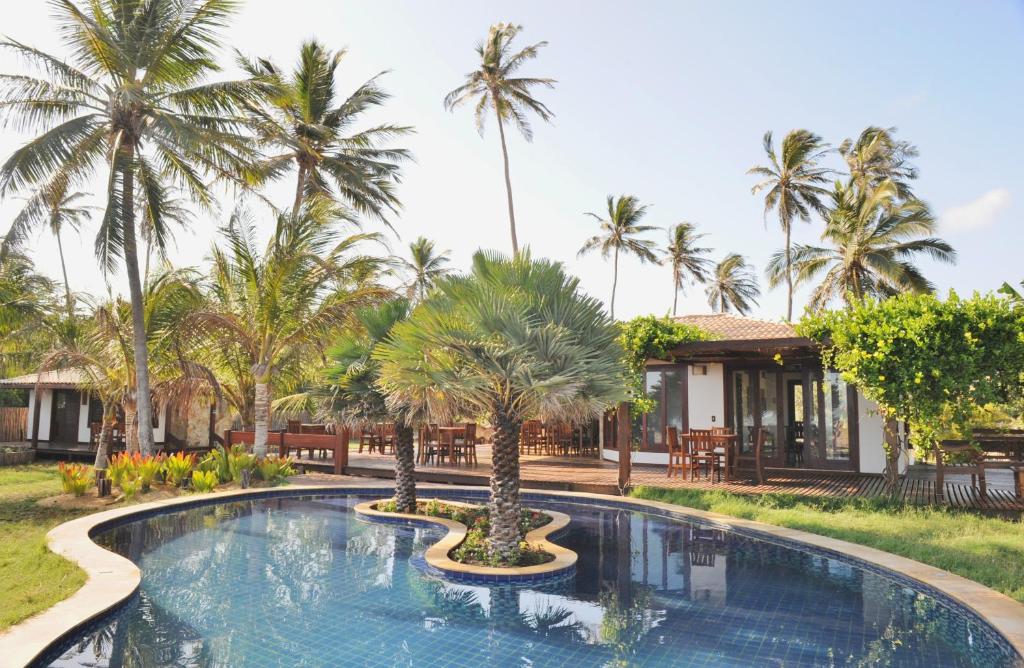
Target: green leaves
{"type": "Point", "coordinates": [514, 335]}
{"type": "Point", "coordinates": [928, 362]}
{"type": "Point", "coordinates": [648, 337]}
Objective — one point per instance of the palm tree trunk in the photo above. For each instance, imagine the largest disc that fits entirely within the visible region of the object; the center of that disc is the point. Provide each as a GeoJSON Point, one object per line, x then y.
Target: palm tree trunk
{"type": "Point", "coordinates": [106, 434]}
{"type": "Point", "coordinates": [299, 191]}
{"type": "Point", "coordinates": [262, 416]}
{"type": "Point", "coordinates": [615, 280]}
{"type": "Point", "coordinates": [405, 470]}
{"type": "Point", "coordinates": [789, 275]}
{"type": "Point", "coordinates": [675, 294]}
{"type": "Point", "coordinates": [891, 472]}
{"type": "Point", "coordinates": [64, 271]}
{"type": "Point", "coordinates": [508, 184]}
{"type": "Point", "coordinates": [504, 501]}
{"type": "Point", "coordinates": [131, 430]}
{"type": "Point", "coordinates": [143, 401]}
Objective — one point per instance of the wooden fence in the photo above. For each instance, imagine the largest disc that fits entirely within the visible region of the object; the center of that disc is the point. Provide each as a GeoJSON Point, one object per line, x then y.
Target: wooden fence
{"type": "Point", "coordinates": [12, 424]}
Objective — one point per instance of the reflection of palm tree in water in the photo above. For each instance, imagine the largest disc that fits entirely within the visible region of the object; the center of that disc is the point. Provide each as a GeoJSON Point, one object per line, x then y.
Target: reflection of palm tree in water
{"type": "Point", "coordinates": [625, 622]}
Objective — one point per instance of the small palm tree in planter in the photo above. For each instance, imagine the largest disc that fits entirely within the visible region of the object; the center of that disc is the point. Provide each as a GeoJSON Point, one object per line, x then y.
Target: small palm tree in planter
{"type": "Point", "coordinates": [513, 339]}
{"type": "Point", "coordinates": [352, 395]}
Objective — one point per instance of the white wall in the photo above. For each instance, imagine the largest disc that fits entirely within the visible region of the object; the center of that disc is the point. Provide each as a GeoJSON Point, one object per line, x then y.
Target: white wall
{"type": "Point", "coordinates": [872, 438]}
{"type": "Point", "coordinates": [160, 431]}
{"type": "Point", "coordinates": [44, 414]}
{"type": "Point", "coordinates": [706, 401]}
{"type": "Point", "coordinates": [638, 457]}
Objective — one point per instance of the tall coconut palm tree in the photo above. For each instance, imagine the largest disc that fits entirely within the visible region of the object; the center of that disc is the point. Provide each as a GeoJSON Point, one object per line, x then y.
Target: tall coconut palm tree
{"type": "Point", "coordinates": [872, 238]}
{"type": "Point", "coordinates": [271, 308]}
{"type": "Point", "coordinates": [620, 232]}
{"type": "Point", "coordinates": [732, 286]}
{"type": "Point", "coordinates": [103, 351]}
{"type": "Point", "coordinates": [27, 300]}
{"type": "Point", "coordinates": [876, 156]}
{"type": "Point", "coordinates": [133, 103]}
{"type": "Point", "coordinates": [305, 126]}
{"type": "Point", "coordinates": [57, 209]}
{"type": "Point", "coordinates": [424, 267]}
{"type": "Point", "coordinates": [686, 258]}
{"type": "Point", "coordinates": [792, 181]}
{"type": "Point", "coordinates": [492, 87]}
{"type": "Point", "coordinates": [513, 339]}
{"type": "Point", "coordinates": [353, 397]}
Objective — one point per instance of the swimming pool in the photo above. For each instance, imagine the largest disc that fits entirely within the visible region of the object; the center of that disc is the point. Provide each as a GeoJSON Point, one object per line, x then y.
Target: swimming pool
{"type": "Point", "coordinates": [290, 581]}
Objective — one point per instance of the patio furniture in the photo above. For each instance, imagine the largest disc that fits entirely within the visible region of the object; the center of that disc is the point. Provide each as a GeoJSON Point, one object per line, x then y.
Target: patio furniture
{"type": "Point", "coordinates": [795, 444]}
{"type": "Point", "coordinates": [991, 450]}
{"type": "Point", "coordinates": [448, 435]}
{"type": "Point", "coordinates": [429, 445]}
{"type": "Point", "coordinates": [702, 453]}
{"type": "Point", "coordinates": [531, 437]}
{"type": "Point", "coordinates": [560, 437]}
{"type": "Point", "coordinates": [385, 432]}
{"type": "Point", "coordinates": [678, 452]}
{"type": "Point", "coordinates": [464, 444]}
{"type": "Point", "coordinates": [367, 437]}
{"type": "Point", "coordinates": [294, 426]}
{"type": "Point", "coordinates": [724, 446]}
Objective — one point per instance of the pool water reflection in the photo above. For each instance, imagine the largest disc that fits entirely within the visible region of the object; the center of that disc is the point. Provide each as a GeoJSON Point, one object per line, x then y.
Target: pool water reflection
{"type": "Point", "coordinates": [290, 581]}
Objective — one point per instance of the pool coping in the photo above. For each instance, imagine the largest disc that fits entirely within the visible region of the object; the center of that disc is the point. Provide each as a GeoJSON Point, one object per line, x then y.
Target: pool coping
{"type": "Point", "coordinates": [112, 579]}
{"type": "Point", "coordinates": [437, 559]}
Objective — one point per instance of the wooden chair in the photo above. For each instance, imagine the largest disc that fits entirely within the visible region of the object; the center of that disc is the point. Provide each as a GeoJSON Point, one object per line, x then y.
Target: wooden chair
{"type": "Point", "coordinates": [430, 443]}
{"type": "Point", "coordinates": [721, 431]}
{"type": "Point", "coordinates": [795, 444]}
{"type": "Point", "coordinates": [294, 427]}
{"type": "Point", "coordinates": [531, 437]}
{"type": "Point", "coordinates": [702, 453]}
{"type": "Point", "coordinates": [385, 437]}
{"type": "Point", "coordinates": [560, 437]}
{"type": "Point", "coordinates": [678, 452]}
{"type": "Point", "coordinates": [465, 445]}
{"type": "Point", "coordinates": [367, 437]}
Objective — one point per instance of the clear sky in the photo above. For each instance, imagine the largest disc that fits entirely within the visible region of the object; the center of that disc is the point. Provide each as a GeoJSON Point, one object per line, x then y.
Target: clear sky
{"type": "Point", "coordinates": [664, 100]}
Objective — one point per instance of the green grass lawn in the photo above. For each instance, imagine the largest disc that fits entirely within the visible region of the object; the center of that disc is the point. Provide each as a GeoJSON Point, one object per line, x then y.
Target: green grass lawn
{"type": "Point", "coordinates": [985, 549]}
{"type": "Point", "coordinates": [31, 577]}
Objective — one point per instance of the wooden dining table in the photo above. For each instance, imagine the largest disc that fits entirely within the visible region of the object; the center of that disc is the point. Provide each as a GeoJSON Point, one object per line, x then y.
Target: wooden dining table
{"type": "Point", "coordinates": [447, 436]}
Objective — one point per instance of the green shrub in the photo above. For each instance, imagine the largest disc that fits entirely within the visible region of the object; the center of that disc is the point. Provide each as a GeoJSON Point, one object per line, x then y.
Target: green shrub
{"type": "Point", "coordinates": [75, 478]}
{"type": "Point", "coordinates": [217, 461]}
{"type": "Point", "coordinates": [147, 469]}
{"type": "Point", "coordinates": [240, 460]}
{"type": "Point", "coordinates": [178, 466]}
{"type": "Point", "coordinates": [204, 481]}
{"type": "Point", "coordinates": [130, 487]}
{"type": "Point", "coordinates": [272, 469]}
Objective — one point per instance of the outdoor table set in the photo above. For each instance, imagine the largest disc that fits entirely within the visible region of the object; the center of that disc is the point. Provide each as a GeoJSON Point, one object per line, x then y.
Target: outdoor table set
{"type": "Point", "coordinates": [710, 450]}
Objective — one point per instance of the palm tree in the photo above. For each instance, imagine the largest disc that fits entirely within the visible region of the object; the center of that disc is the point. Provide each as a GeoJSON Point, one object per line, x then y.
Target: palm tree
{"type": "Point", "coordinates": [104, 352]}
{"type": "Point", "coordinates": [686, 258]}
{"type": "Point", "coordinates": [304, 125]}
{"type": "Point", "coordinates": [876, 156]}
{"type": "Point", "coordinates": [26, 300]}
{"type": "Point", "coordinates": [513, 339]}
{"type": "Point", "coordinates": [872, 238]}
{"type": "Point", "coordinates": [273, 308]}
{"type": "Point", "coordinates": [492, 86]}
{"type": "Point", "coordinates": [732, 286]}
{"type": "Point", "coordinates": [56, 208]}
{"type": "Point", "coordinates": [424, 268]}
{"type": "Point", "coordinates": [133, 102]}
{"type": "Point", "coordinates": [353, 396]}
{"type": "Point", "coordinates": [792, 181]}
{"type": "Point", "coordinates": [619, 232]}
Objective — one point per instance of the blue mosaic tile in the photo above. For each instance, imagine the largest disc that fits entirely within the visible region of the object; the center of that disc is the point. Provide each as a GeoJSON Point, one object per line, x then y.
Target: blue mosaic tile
{"type": "Point", "coordinates": [289, 580]}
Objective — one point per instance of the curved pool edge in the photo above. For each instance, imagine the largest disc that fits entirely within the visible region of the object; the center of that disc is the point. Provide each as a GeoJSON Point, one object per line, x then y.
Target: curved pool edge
{"type": "Point", "coordinates": [113, 579]}
{"type": "Point", "coordinates": [439, 563]}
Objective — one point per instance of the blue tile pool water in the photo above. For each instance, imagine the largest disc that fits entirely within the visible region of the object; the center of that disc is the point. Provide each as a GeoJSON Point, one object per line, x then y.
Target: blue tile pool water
{"type": "Point", "coordinates": [302, 582]}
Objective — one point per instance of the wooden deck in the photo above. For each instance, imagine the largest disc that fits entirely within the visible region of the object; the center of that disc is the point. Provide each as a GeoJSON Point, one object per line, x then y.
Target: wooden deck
{"type": "Point", "coordinates": [588, 474]}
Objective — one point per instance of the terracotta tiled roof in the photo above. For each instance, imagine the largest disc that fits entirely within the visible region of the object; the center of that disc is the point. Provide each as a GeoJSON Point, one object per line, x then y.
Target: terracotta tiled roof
{"type": "Point", "coordinates": [726, 327]}
{"type": "Point", "coordinates": [56, 378]}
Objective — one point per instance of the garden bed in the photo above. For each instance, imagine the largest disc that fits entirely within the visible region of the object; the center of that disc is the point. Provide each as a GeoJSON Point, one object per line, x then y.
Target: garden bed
{"type": "Point", "coordinates": [473, 549]}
